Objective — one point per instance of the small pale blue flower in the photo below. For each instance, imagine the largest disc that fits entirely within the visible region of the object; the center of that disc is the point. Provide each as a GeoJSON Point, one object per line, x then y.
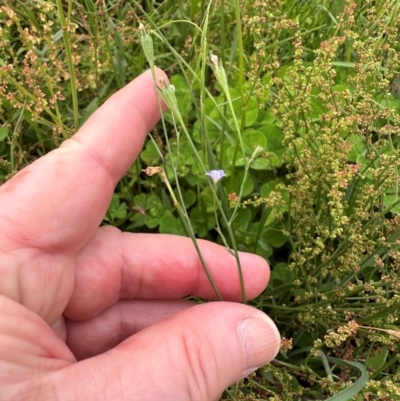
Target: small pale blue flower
{"type": "Point", "coordinates": [216, 175]}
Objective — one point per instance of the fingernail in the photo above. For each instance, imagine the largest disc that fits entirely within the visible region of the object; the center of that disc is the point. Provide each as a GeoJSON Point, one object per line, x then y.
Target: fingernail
{"type": "Point", "coordinates": [260, 339]}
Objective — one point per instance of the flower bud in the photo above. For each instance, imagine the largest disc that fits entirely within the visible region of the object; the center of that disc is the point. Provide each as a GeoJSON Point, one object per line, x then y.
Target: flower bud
{"type": "Point", "coordinates": [168, 95]}
{"type": "Point", "coordinates": [147, 44]}
{"type": "Point", "coordinates": [219, 72]}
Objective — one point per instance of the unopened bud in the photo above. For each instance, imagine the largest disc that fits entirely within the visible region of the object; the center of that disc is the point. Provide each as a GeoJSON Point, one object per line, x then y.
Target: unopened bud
{"type": "Point", "coordinates": [220, 74]}
{"type": "Point", "coordinates": [168, 94]}
{"type": "Point", "coordinates": [147, 44]}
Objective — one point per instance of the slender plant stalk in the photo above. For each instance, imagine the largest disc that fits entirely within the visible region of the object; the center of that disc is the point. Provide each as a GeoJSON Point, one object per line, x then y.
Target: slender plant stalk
{"type": "Point", "coordinates": [147, 45]}
{"type": "Point", "coordinates": [67, 43]}
{"type": "Point", "coordinates": [220, 206]}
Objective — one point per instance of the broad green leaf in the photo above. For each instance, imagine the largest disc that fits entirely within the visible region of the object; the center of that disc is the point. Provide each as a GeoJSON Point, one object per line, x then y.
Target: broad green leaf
{"type": "Point", "coordinates": [270, 186]}
{"type": "Point", "coordinates": [189, 197]}
{"type": "Point", "coordinates": [377, 358]}
{"type": "Point", "coordinates": [261, 164]}
{"type": "Point", "coordinates": [202, 222]}
{"type": "Point", "coordinates": [116, 210]}
{"type": "Point", "coordinates": [183, 95]}
{"type": "Point", "coordinates": [212, 130]}
{"type": "Point", "coordinates": [274, 137]}
{"type": "Point", "coordinates": [140, 200]}
{"type": "Point", "coordinates": [153, 202]}
{"type": "Point", "coordinates": [268, 118]}
{"type": "Point", "coordinates": [150, 155]}
{"type": "Point", "coordinates": [207, 197]}
{"type": "Point", "coordinates": [152, 221]}
{"type": "Point", "coordinates": [274, 237]}
{"type": "Point", "coordinates": [282, 273]}
{"type": "Point", "coordinates": [395, 87]}
{"type": "Point", "coordinates": [251, 112]}
{"type": "Point", "coordinates": [317, 108]}
{"type": "Point", "coordinates": [243, 218]}
{"type": "Point", "coordinates": [340, 88]}
{"type": "Point", "coordinates": [179, 83]}
{"type": "Point", "coordinates": [120, 213]}
{"type": "Point", "coordinates": [253, 138]}
{"type": "Point", "coordinates": [237, 182]}
{"type": "Point", "coordinates": [389, 200]}
{"type": "Point", "coordinates": [263, 249]}
{"type": "Point", "coordinates": [230, 151]}
{"type": "Point", "coordinates": [358, 147]}
{"type": "Point", "coordinates": [171, 225]}
{"type": "Point", "coordinates": [3, 133]}
{"type": "Point", "coordinates": [251, 108]}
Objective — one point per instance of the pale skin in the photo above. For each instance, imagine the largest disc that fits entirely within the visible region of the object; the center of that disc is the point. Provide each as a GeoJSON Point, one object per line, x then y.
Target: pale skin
{"type": "Point", "coordinates": [91, 313]}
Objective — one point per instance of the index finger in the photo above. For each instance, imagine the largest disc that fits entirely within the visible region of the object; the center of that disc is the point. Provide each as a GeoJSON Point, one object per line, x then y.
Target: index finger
{"type": "Point", "coordinates": [59, 200]}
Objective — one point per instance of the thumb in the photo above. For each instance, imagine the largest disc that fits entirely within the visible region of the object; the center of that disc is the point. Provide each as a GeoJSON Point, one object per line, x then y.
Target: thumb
{"type": "Point", "coordinates": [193, 355]}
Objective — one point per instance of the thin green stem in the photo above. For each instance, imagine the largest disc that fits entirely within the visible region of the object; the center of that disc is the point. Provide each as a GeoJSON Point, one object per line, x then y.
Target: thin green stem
{"type": "Point", "coordinates": [65, 23]}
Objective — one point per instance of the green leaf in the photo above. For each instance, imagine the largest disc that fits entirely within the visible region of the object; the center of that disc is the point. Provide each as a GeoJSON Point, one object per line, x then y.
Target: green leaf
{"type": "Point", "coordinates": [282, 273]}
{"type": "Point", "coordinates": [212, 129]}
{"type": "Point", "coordinates": [266, 163]}
{"type": "Point", "coordinates": [272, 186]}
{"type": "Point", "coordinates": [274, 137]}
{"type": "Point", "coordinates": [150, 155]}
{"type": "Point", "coordinates": [230, 151]}
{"type": "Point", "coordinates": [152, 221]}
{"type": "Point", "coordinates": [140, 201]}
{"type": "Point", "coordinates": [120, 213]}
{"type": "Point", "coordinates": [377, 359]}
{"type": "Point", "coordinates": [154, 211]}
{"type": "Point", "coordinates": [263, 249]}
{"type": "Point", "coordinates": [251, 112]}
{"type": "Point", "coordinates": [356, 387]}
{"type": "Point", "coordinates": [202, 223]}
{"type": "Point", "coordinates": [154, 206]}
{"type": "Point", "coordinates": [347, 64]}
{"type": "Point", "coordinates": [208, 198]}
{"type": "Point", "coordinates": [389, 200]}
{"type": "Point", "coordinates": [3, 133]}
{"type": "Point", "coordinates": [358, 147]}
{"type": "Point", "coordinates": [251, 108]}
{"type": "Point", "coordinates": [243, 218]}
{"type": "Point", "coordinates": [189, 197]}
{"type": "Point", "coordinates": [253, 138]}
{"type": "Point", "coordinates": [171, 225]}
{"type": "Point", "coordinates": [116, 210]}
{"type": "Point", "coordinates": [316, 108]}
{"type": "Point", "coordinates": [183, 95]}
{"type": "Point", "coordinates": [274, 237]}
{"type": "Point", "coordinates": [237, 182]}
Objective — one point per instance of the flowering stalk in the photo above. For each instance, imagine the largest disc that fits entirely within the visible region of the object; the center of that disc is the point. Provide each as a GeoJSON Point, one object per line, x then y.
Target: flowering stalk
{"type": "Point", "coordinates": [146, 42]}
{"type": "Point", "coordinates": [171, 99]}
{"type": "Point", "coordinates": [150, 171]}
{"type": "Point", "coordinates": [220, 75]}
{"type": "Point", "coordinates": [168, 94]}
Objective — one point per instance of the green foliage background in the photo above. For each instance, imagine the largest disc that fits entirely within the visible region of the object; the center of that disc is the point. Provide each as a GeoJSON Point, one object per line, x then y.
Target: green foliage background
{"type": "Point", "coordinates": [315, 84]}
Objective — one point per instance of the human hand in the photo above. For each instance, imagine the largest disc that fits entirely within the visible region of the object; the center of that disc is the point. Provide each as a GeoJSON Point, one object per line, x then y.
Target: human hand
{"type": "Point", "coordinates": [89, 313]}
